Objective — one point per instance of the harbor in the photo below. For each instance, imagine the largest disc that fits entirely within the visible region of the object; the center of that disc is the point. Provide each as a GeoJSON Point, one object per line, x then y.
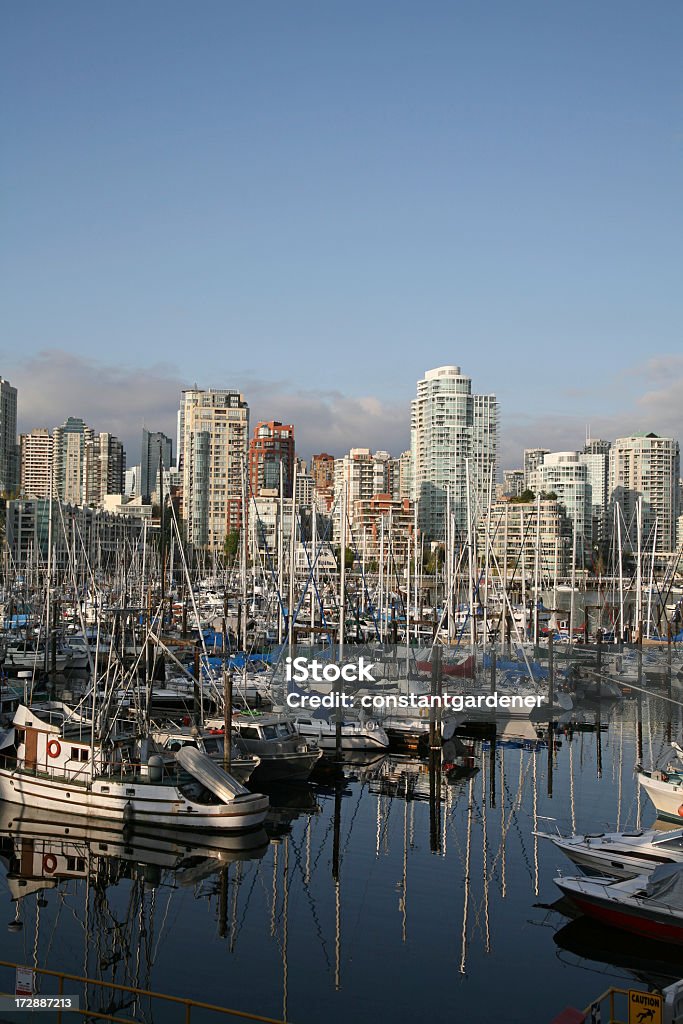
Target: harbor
{"type": "Point", "coordinates": [443, 873]}
{"type": "Point", "coordinates": [341, 514]}
{"type": "Point", "coordinates": [297, 840]}
{"type": "Point", "coordinates": [294, 769]}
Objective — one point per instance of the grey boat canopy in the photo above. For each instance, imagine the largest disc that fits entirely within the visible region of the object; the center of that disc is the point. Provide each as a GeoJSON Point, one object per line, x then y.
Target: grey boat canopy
{"type": "Point", "coordinates": [665, 885]}
{"type": "Point", "coordinates": [211, 775]}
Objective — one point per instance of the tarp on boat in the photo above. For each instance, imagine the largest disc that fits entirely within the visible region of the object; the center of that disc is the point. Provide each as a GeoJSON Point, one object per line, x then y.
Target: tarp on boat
{"type": "Point", "coordinates": [210, 774]}
{"type": "Point", "coordinates": [665, 885]}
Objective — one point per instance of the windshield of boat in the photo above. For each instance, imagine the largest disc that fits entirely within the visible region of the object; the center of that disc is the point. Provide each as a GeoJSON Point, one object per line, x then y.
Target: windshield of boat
{"type": "Point", "coordinates": [674, 838]}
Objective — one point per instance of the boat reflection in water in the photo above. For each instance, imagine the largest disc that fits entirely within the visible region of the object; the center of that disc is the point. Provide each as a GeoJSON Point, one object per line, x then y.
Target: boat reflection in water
{"type": "Point", "coordinates": [648, 961]}
{"type": "Point", "coordinates": [288, 802]}
{"type": "Point", "coordinates": [41, 848]}
{"type": "Point", "coordinates": [116, 884]}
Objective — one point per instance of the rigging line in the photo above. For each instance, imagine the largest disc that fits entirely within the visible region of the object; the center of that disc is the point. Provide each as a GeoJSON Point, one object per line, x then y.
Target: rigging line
{"type": "Point", "coordinates": [385, 824]}
{"type": "Point", "coordinates": [163, 925]}
{"type": "Point", "coordinates": [632, 686]}
{"type": "Point", "coordinates": [353, 818]}
{"type": "Point", "coordinates": [371, 604]}
{"type": "Point", "coordinates": [311, 569]}
{"type": "Point", "coordinates": [239, 924]}
{"type": "Point", "coordinates": [309, 897]}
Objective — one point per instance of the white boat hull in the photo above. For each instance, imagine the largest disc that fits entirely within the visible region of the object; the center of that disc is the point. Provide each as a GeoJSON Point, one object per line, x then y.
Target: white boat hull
{"type": "Point", "coordinates": [353, 741]}
{"type": "Point", "coordinates": [129, 800]}
{"type": "Point", "coordinates": [666, 796]}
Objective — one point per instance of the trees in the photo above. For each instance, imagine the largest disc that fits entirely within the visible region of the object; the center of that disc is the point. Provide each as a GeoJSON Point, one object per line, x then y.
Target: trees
{"type": "Point", "coordinates": [349, 558]}
{"type": "Point", "coordinates": [525, 498]}
{"type": "Point", "coordinates": [436, 560]}
{"type": "Point", "coordinates": [231, 545]}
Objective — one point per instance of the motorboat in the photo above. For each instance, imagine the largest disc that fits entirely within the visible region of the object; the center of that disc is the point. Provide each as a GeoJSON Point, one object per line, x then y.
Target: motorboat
{"type": "Point", "coordinates": [622, 854]}
{"type": "Point", "coordinates": [665, 790]}
{"type": "Point", "coordinates": [356, 734]}
{"type": "Point", "coordinates": [172, 738]}
{"type": "Point", "coordinates": [272, 737]}
{"type": "Point", "coordinates": [50, 762]}
{"type": "Point", "coordinates": [650, 905]}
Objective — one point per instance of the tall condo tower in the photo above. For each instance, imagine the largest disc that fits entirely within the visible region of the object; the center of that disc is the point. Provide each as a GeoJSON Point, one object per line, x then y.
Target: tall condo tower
{"type": "Point", "coordinates": [647, 467]}
{"type": "Point", "coordinates": [450, 429]}
{"type": "Point", "coordinates": [155, 446]}
{"type": "Point", "coordinates": [9, 450]}
{"type": "Point", "coordinates": [271, 446]}
{"type": "Point", "coordinates": [214, 439]}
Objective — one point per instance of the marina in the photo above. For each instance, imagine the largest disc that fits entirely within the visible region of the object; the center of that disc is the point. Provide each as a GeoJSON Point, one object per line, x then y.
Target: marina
{"type": "Point", "coordinates": [438, 864]}
{"type": "Point", "coordinates": [341, 514]}
{"type": "Point", "coordinates": [404, 769]}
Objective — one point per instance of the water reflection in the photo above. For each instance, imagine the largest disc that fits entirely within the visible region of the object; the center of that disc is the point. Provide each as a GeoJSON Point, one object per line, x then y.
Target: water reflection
{"type": "Point", "coordinates": [651, 963]}
{"type": "Point", "coordinates": [429, 868]}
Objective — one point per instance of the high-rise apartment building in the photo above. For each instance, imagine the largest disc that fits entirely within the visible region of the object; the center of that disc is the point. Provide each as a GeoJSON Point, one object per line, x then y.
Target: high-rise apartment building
{"type": "Point", "coordinates": [9, 450]}
{"type": "Point", "coordinates": [565, 475]}
{"type": "Point", "coordinates": [533, 457]}
{"type": "Point", "coordinates": [513, 482]}
{"type": "Point", "coordinates": [517, 536]}
{"type": "Point", "coordinates": [366, 476]}
{"type": "Point", "coordinates": [646, 467]}
{"type": "Point", "coordinates": [68, 459]}
{"type": "Point", "coordinates": [271, 458]}
{"type": "Point", "coordinates": [405, 474]}
{"type": "Point", "coordinates": [453, 446]}
{"type": "Point", "coordinates": [36, 463]}
{"type": "Point", "coordinates": [156, 448]}
{"type": "Point", "coordinates": [214, 439]}
{"type": "Point", "coordinates": [595, 457]}
{"type": "Point", "coordinates": [322, 471]}
{"type": "Point", "coordinates": [105, 468]}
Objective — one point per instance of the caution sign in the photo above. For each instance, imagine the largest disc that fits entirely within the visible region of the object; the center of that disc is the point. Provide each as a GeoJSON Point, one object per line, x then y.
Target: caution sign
{"type": "Point", "coordinates": [644, 1007]}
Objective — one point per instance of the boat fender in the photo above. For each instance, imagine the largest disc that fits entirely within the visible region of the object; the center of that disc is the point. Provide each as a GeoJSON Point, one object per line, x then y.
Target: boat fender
{"type": "Point", "coordinates": [54, 748]}
{"type": "Point", "coordinates": [49, 863]}
{"type": "Point", "coordinates": [680, 811]}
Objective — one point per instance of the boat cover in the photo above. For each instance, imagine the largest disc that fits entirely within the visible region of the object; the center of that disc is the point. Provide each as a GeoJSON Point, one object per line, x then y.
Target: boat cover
{"type": "Point", "coordinates": [210, 774]}
{"type": "Point", "coordinates": [665, 885]}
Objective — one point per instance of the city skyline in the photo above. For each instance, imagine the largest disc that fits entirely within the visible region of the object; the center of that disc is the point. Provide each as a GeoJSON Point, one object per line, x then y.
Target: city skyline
{"type": "Point", "coordinates": [57, 388]}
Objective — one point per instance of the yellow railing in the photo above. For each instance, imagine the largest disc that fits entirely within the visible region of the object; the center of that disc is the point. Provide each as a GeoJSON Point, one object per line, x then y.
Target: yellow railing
{"type": "Point", "coordinates": [188, 1004]}
{"type": "Point", "coordinates": [608, 994]}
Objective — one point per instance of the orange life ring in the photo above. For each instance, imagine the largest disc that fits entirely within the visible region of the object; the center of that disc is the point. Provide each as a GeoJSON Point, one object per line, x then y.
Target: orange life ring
{"type": "Point", "coordinates": [680, 811]}
{"type": "Point", "coordinates": [54, 748]}
{"type": "Point", "coordinates": [49, 863]}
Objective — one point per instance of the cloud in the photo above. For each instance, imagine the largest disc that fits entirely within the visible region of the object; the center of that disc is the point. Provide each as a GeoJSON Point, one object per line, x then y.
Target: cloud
{"type": "Point", "coordinates": [329, 420]}
{"type": "Point", "coordinates": [121, 399]}
{"type": "Point", "coordinates": [659, 368]}
{"type": "Point", "coordinates": [656, 404]}
{"type": "Point", "coordinates": [664, 406]}
{"type": "Point", "coordinates": [55, 384]}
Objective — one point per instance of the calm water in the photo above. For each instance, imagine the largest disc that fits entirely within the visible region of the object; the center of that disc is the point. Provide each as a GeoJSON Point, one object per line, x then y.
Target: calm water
{"type": "Point", "coordinates": [362, 921]}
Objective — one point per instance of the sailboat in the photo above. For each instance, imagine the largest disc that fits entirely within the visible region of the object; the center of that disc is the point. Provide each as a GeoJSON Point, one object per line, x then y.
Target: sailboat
{"type": "Point", "coordinates": [53, 760]}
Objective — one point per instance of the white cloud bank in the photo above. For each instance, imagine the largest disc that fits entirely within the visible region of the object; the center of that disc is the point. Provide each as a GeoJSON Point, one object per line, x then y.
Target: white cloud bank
{"type": "Point", "coordinates": [55, 384]}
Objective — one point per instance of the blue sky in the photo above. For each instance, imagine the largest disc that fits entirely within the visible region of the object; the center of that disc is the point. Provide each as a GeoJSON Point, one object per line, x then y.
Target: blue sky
{"type": "Point", "coordinates": [318, 201]}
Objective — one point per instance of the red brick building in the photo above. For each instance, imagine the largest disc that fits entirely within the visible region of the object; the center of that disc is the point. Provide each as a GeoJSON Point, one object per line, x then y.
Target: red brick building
{"type": "Point", "coordinates": [271, 446]}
